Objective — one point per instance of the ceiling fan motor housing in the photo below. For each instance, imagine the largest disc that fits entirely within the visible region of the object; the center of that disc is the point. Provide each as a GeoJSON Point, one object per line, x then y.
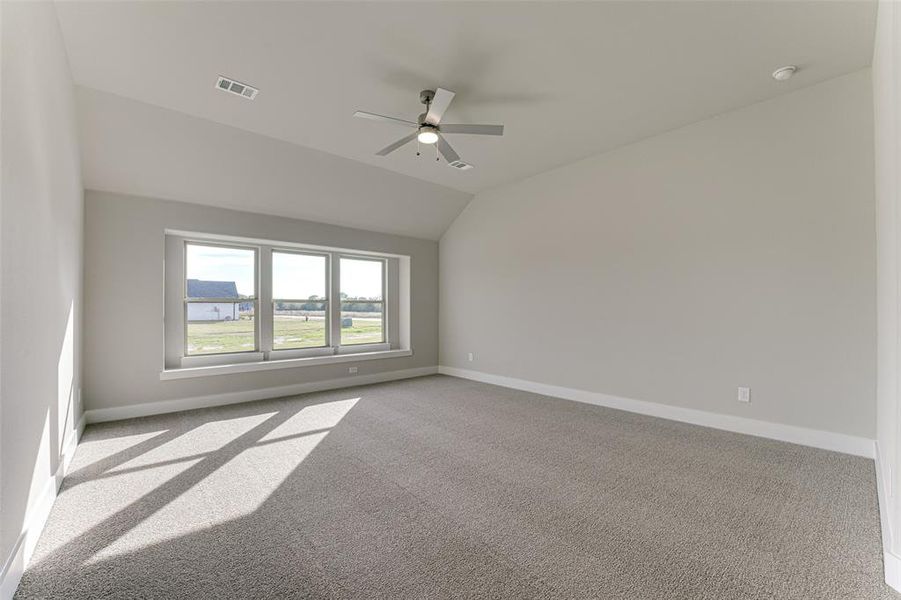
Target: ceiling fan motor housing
{"type": "Point", "coordinates": [426, 96]}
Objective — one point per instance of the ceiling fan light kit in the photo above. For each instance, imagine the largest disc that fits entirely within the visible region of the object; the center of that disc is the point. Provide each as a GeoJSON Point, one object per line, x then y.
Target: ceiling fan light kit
{"type": "Point", "coordinates": [429, 129]}
{"type": "Point", "coordinates": [427, 135]}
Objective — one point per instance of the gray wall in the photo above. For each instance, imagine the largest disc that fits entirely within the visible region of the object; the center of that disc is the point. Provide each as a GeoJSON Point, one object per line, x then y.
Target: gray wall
{"type": "Point", "coordinates": [887, 117]}
{"type": "Point", "coordinates": [40, 289]}
{"type": "Point", "coordinates": [124, 253]}
{"type": "Point", "coordinates": [737, 251]}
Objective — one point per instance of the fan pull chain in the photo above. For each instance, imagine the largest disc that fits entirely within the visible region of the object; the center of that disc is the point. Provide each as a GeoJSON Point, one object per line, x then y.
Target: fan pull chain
{"type": "Point", "coordinates": [427, 105]}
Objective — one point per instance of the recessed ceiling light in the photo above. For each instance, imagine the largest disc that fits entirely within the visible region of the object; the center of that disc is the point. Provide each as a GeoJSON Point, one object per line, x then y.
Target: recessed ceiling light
{"type": "Point", "coordinates": [236, 87]}
{"type": "Point", "coordinates": [784, 73]}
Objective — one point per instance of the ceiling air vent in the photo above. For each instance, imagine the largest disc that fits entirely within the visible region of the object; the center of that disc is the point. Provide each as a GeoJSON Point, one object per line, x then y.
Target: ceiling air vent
{"type": "Point", "coordinates": [459, 164]}
{"type": "Point", "coordinates": [235, 87]}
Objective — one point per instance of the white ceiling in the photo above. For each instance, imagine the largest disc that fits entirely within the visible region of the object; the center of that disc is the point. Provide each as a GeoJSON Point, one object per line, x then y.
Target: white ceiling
{"type": "Point", "coordinates": [568, 80]}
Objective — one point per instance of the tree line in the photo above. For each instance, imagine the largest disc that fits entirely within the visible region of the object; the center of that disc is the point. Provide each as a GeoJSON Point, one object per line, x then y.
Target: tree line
{"type": "Point", "coordinates": [314, 302]}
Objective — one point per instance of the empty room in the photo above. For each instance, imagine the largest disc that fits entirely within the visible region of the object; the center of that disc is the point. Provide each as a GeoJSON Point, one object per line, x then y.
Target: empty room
{"type": "Point", "coordinates": [450, 299]}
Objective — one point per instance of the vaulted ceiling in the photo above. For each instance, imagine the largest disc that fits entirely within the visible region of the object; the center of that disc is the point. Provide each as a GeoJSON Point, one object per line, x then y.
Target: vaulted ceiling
{"type": "Point", "coordinates": [568, 79]}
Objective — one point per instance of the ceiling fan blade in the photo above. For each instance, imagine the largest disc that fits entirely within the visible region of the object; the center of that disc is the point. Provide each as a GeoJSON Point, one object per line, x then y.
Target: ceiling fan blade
{"type": "Point", "coordinates": [446, 151]}
{"type": "Point", "coordinates": [392, 147]}
{"type": "Point", "coordinates": [452, 158]}
{"type": "Point", "coordinates": [439, 105]}
{"type": "Point", "coordinates": [384, 119]}
{"type": "Point", "coordinates": [474, 129]}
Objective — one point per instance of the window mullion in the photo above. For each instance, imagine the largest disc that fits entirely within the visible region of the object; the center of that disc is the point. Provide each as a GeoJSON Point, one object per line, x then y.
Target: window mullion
{"type": "Point", "coordinates": [264, 303]}
{"type": "Point", "coordinates": [384, 304]}
{"type": "Point", "coordinates": [334, 305]}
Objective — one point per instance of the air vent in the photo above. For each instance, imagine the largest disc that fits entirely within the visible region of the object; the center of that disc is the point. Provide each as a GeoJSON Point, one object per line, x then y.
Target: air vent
{"type": "Point", "coordinates": [235, 87]}
{"type": "Point", "coordinates": [459, 164]}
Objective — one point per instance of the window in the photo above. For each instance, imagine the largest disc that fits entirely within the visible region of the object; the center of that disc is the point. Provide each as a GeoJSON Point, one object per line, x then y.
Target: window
{"type": "Point", "coordinates": [220, 299]}
{"type": "Point", "coordinates": [300, 300]}
{"type": "Point", "coordinates": [362, 305]}
{"type": "Point", "coordinates": [237, 300]}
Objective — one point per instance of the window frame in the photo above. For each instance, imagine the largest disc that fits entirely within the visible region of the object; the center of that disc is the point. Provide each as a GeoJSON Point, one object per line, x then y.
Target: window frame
{"type": "Point", "coordinates": [209, 357]}
{"type": "Point", "coordinates": [281, 353]}
{"type": "Point", "coordinates": [382, 302]}
{"type": "Point", "coordinates": [178, 364]}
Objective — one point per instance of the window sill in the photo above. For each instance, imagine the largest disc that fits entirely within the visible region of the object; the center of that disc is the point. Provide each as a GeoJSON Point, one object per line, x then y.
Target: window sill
{"type": "Point", "coordinates": [269, 365]}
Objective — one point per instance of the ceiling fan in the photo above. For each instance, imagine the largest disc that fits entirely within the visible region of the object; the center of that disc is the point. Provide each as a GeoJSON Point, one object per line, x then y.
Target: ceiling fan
{"type": "Point", "coordinates": [429, 128]}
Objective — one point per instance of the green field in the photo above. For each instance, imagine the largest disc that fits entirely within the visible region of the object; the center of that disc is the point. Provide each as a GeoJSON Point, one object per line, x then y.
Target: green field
{"type": "Point", "coordinates": [217, 337]}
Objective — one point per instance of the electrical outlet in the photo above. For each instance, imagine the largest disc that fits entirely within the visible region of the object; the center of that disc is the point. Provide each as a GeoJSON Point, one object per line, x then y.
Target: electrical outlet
{"type": "Point", "coordinates": [351, 369]}
{"type": "Point", "coordinates": [744, 394]}
{"type": "Point", "coordinates": [469, 357]}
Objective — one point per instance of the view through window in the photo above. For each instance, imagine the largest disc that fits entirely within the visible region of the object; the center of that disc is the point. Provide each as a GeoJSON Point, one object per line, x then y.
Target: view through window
{"type": "Point", "coordinates": [224, 285]}
{"type": "Point", "coordinates": [362, 304]}
{"type": "Point", "coordinates": [220, 299]}
{"type": "Point", "coordinates": [300, 301]}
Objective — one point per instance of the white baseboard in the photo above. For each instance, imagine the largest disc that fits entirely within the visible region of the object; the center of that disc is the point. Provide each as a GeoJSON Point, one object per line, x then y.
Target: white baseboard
{"type": "Point", "coordinates": [21, 553]}
{"type": "Point", "coordinates": [892, 565]}
{"type": "Point", "coordinates": [891, 561]}
{"type": "Point", "coordinates": [826, 440]}
{"type": "Point", "coordinates": [99, 415]}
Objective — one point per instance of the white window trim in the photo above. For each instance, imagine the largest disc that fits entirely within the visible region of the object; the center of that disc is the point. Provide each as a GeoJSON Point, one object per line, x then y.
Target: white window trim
{"type": "Point", "coordinates": [336, 287]}
{"type": "Point", "coordinates": [206, 359]}
{"type": "Point", "coordinates": [269, 365]}
{"type": "Point", "coordinates": [301, 353]}
{"type": "Point", "coordinates": [266, 358]}
{"type": "Point", "coordinates": [315, 350]}
{"type": "Point", "coordinates": [361, 348]}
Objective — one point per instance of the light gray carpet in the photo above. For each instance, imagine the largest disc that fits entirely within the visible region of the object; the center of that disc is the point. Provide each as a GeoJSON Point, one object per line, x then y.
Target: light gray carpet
{"type": "Point", "coordinates": [439, 487]}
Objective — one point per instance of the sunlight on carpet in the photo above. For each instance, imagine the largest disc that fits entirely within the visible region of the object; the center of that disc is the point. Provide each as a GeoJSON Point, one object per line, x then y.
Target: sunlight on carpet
{"type": "Point", "coordinates": [258, 469]}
